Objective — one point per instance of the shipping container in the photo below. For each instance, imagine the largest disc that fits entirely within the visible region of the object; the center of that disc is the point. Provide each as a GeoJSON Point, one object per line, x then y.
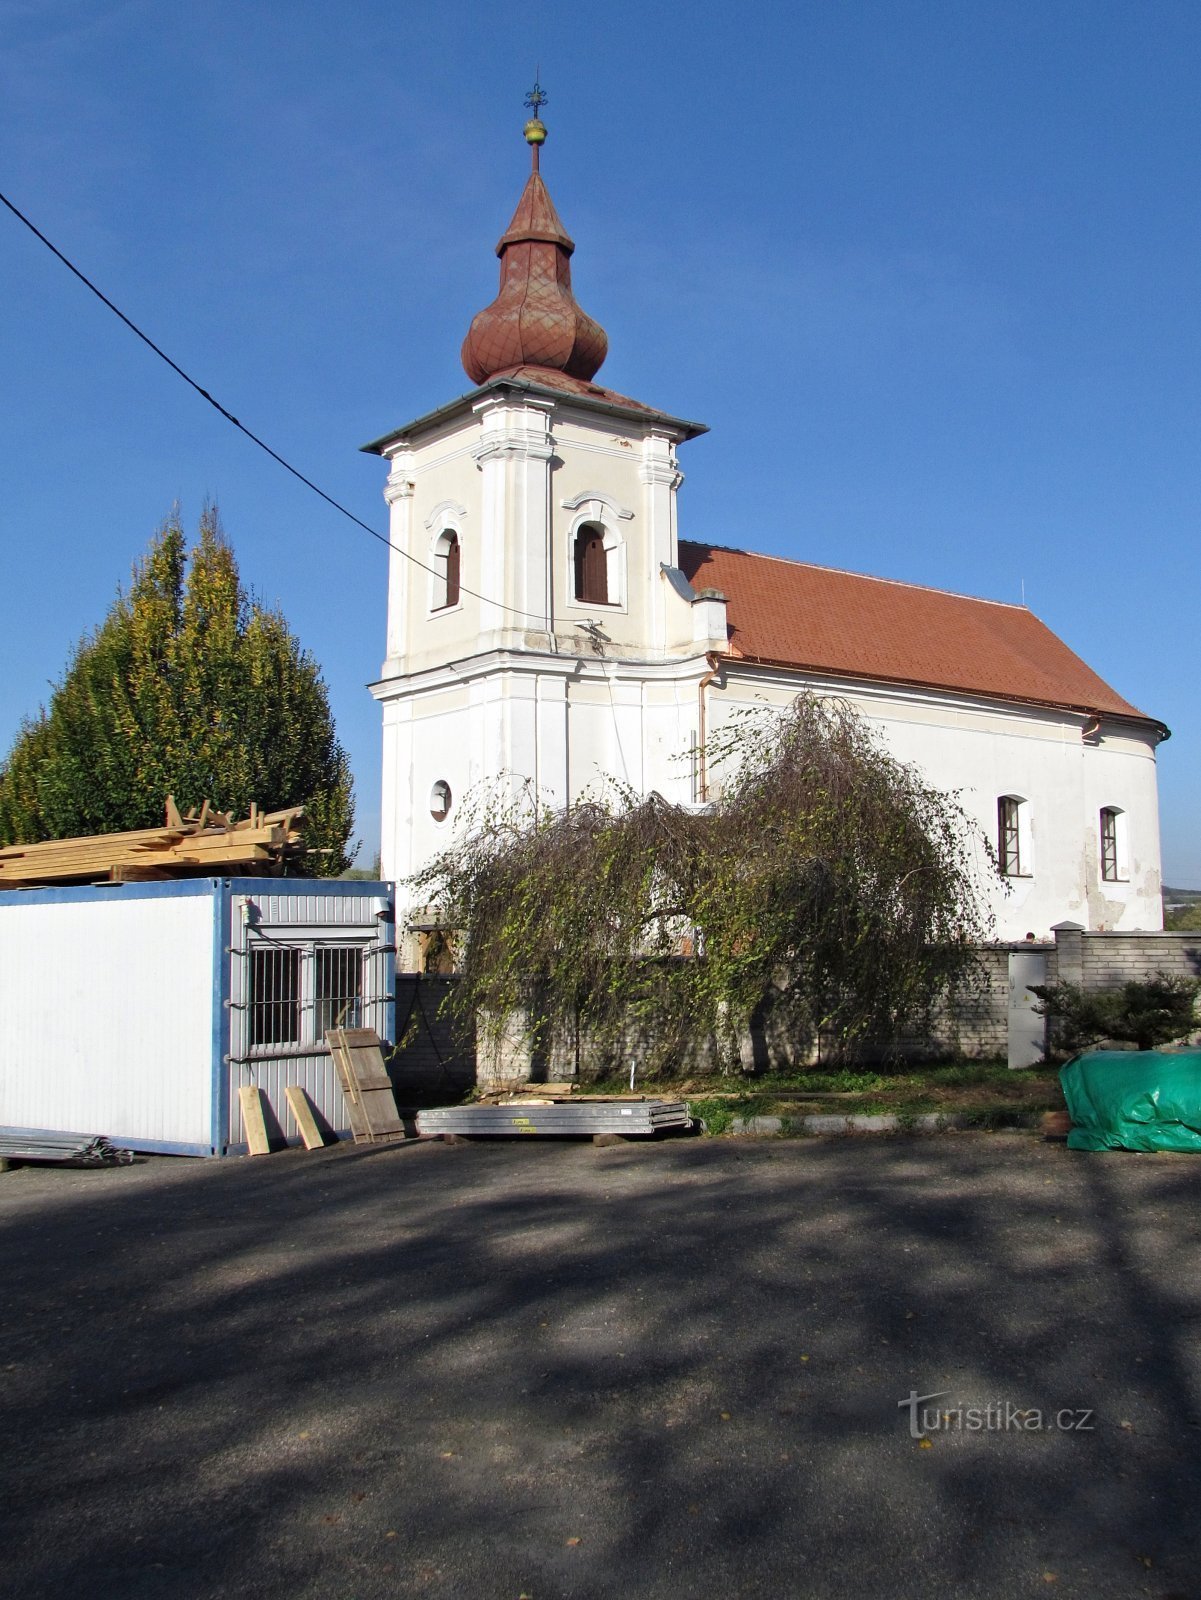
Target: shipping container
{"type": "Point", "coordinates": [138, 1011]}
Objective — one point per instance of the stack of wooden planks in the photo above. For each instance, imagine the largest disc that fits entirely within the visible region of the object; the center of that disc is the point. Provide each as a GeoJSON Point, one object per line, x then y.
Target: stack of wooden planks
{"type": "Point", "coordinates": [195, 844]}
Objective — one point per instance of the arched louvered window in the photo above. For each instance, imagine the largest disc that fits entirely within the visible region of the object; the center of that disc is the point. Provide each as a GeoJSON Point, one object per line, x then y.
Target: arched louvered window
{"type": "Point", "coordinates": [446, 565]}
{"type": "Point", "coordinates": [591, 566]}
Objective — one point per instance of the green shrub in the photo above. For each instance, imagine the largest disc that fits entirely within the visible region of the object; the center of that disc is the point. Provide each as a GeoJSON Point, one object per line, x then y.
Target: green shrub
{"type": "Point", "coordinates": [1145, 1012]}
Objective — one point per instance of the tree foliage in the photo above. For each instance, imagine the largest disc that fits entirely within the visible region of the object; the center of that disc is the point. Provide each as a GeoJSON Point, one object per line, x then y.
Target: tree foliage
{"type": "Point", "coordinates": [828, 885]}
{"type": "Point", "coordinates": [188, 687]}
{"type": "Point", "coordinates": [1145, 1012]}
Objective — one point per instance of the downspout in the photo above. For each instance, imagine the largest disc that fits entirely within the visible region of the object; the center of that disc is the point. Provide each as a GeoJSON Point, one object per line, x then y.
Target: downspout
{"type": "Point", "coordinates": [702, 761]}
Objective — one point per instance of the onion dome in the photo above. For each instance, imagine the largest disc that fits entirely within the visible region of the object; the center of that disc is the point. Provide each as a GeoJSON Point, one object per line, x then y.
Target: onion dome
{"type": "Point", "coordinates": [534, 320]}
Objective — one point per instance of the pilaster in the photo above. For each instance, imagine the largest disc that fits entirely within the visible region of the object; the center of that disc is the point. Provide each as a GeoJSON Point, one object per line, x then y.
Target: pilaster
{"type": "Point", "coordinates": [1069, 952]}
{"type": "Point", "coordinates": [398, 492]}
{"type": "Point", "coordinates": [515, 455]}
{"type": "Point", "coordinates": [661, 477]}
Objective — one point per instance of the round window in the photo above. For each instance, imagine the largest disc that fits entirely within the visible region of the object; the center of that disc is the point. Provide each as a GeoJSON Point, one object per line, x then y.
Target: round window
{"type": "Point", "coordinates": [440, 800]}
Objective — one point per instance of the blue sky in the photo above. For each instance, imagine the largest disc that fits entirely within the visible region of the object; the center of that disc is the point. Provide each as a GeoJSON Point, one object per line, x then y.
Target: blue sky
{"type": "Point", "coordinates": [928, 270]}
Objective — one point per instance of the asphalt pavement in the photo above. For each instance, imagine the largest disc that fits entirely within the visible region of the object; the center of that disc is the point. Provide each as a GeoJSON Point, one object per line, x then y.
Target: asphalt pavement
{"type": "Point", "coordinates": [672, 1369]}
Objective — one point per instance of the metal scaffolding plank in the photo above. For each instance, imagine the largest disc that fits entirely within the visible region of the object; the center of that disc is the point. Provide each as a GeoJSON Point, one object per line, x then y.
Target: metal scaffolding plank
{"type": "Point", "coordinates": [561, 1119]}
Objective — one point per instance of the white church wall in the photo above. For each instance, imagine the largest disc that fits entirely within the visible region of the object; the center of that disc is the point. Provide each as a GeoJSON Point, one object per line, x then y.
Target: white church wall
{"type": "Point", "coordinates": [1120, 772]}
{"type": "Point", "coordinates": [982, 751]}
{"type": "Point", "coordinates": [568, 724]}
{"type": "Point", "coordinates": [564, 724]}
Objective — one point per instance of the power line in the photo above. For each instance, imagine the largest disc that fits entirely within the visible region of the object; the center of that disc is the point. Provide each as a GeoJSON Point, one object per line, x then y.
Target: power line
{"type": "Point", "coordinates": [241, 426]}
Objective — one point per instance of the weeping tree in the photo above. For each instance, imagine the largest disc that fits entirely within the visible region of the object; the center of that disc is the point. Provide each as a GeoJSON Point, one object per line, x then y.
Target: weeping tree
{"type": "Point", "coordinates": [828, 886]}
{"type": "Point", "coordinates": [188, 687]}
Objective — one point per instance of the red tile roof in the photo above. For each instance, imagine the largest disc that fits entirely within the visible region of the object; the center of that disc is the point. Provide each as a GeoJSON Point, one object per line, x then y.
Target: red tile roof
{"type": "Point", "coordinates": [549, 378]}
{"type": "Point", "coordinates": [791, 614]}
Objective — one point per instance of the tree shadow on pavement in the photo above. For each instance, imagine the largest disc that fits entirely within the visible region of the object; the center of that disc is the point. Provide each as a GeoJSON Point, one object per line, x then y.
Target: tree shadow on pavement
{"type": "Point", "coordinates": [661, 1370]}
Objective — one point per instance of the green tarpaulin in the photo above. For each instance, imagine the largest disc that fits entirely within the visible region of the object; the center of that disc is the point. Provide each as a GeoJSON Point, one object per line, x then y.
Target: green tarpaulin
{"type": "Point", "coordinates": [1134, 1100]}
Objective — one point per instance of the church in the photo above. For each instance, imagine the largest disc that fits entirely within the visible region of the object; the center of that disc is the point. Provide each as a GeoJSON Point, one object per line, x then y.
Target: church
{"type": "Point", "coordinates": [549, 625]}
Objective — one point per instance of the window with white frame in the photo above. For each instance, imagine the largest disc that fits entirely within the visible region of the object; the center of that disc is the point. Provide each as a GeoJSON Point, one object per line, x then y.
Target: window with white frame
{"type": "Point", "coordinates": [297, 991]}
{"type": "Point", "coordinates": [1014, 854]}
{"type": "Point", "coordinates": [1113, 844]}
{"type": "Point", "coordinates": [594, 554]}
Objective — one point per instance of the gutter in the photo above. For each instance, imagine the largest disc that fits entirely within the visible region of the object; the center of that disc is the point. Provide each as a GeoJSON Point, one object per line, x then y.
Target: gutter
{"type": "Point", "coordinates": [1163, 732]}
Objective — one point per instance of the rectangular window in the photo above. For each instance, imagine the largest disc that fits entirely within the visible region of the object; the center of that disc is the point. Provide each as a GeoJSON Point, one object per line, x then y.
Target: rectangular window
{"type": "Point", "coordinates": [339, 988]}
{"type": "Point", "coordinates": [1009, 844]}
{"type": "Point", "coordinates": [1109, 845]}
{"type": "Point", "coordinates": [274, 995]}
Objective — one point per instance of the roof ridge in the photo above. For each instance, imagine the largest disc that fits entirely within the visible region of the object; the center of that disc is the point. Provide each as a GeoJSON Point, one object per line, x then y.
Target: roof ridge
{"type": "Point", "coordinates": [869, 577]}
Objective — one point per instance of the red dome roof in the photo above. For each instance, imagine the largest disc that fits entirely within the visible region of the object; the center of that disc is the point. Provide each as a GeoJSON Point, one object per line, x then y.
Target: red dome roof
{"type": "Point", "coordinates": [534, 320]}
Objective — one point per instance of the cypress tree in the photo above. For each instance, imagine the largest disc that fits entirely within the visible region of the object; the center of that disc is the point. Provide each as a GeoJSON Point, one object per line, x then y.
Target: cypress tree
{"type": "Point", "coordinates": [188, 687]}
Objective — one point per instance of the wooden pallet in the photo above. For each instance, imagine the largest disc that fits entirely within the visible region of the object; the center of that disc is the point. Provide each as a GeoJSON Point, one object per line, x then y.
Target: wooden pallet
{"type": "Point", "coordinates": [370, 1102]}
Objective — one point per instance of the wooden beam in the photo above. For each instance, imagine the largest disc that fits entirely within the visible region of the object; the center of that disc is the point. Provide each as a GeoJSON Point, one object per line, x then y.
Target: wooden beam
{"type": "Point", "coordinates": [304, 1111]}
{"type": "Point", "coordinates": [254, 1119]}
{"type": "Point", "coordinates": [208, 841]}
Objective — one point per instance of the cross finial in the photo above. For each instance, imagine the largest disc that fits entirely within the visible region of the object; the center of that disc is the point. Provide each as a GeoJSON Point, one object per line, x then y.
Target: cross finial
{"type": "Point", "coordinates": [535, 128]}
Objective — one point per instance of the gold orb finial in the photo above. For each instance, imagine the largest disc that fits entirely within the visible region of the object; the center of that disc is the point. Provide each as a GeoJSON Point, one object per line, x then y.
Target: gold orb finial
{"type": "Point", "coordinates": [535, 128]}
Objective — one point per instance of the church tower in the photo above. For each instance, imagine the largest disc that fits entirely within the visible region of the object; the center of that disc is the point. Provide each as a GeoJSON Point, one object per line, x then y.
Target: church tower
{"type": "Point", "coordinates": [534, 569]}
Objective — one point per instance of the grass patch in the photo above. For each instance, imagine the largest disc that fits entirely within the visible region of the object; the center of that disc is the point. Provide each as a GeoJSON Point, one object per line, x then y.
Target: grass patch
{"type": "Point", "coordinates": [720, 1113]}
{"type": "Point", "coordinates": [715, 1116]}
{"type": "Point", "coordinates": [987, 1092]}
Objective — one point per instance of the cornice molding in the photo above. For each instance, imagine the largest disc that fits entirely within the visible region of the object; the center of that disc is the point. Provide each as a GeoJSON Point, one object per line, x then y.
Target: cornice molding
{"type": "Point", "coordinates": [443, 510]}
{"type": "Point", "coordinates": [399, 486]}
{"type": "Point", "coordinates": [764, 674]}
{"type": "Point", "coordinates": [515, 446]}
{"type": "Point", "coordinates": [658, 471]}
{"type": "Point", "coordinates": [597, 497]}
{"type": "Point", "coordinates": [513, 400]}
{"type": "Point", "coordinates": [686, 670]}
